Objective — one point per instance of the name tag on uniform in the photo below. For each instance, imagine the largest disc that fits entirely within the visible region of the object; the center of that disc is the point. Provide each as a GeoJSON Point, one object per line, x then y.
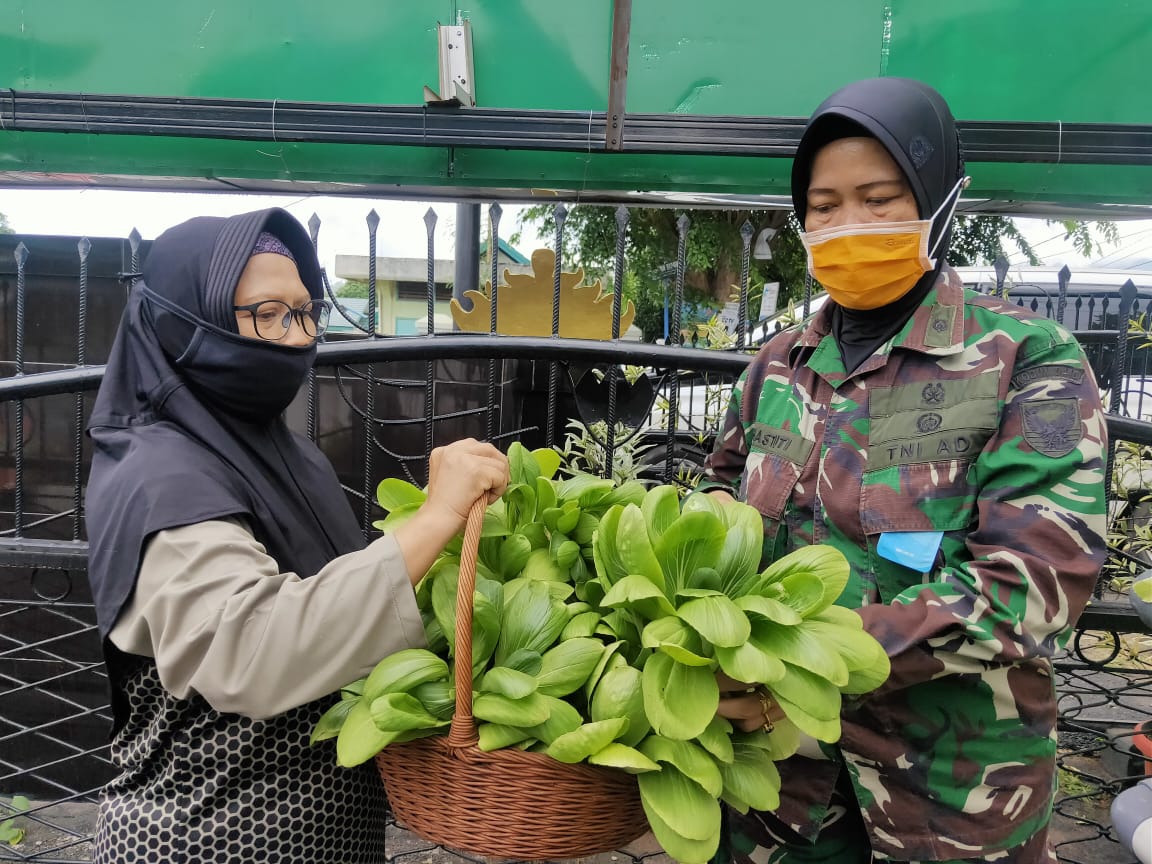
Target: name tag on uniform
{"type": "Point", "coordinates": [915, 550]}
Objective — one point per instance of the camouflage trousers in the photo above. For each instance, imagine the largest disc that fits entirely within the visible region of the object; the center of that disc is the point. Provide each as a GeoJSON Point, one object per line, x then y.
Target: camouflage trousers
{"type": "Point", "coordinates": [760, 838]}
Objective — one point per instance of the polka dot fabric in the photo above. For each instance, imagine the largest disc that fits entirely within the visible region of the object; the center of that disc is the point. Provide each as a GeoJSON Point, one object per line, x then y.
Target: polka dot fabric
{"type": "Point", "coordinates": [198, 786]}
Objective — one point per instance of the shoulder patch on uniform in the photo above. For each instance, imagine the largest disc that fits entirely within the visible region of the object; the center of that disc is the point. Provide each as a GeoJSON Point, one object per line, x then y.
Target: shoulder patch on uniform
{"type": "Point", "coordinates": [1052, 426]}
{"type": "Point", "coordinates": [1047, 372]}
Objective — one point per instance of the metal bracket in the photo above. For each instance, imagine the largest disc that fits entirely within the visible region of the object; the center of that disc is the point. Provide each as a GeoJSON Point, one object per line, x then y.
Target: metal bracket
{"type": "Point", "coordinates": [618, 76]}
{"type": "Point", "coordinates": [457, 75]}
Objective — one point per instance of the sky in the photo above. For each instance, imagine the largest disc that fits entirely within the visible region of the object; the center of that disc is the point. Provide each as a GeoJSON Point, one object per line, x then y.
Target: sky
{"type": "Point", "coordinates": [113, 213]}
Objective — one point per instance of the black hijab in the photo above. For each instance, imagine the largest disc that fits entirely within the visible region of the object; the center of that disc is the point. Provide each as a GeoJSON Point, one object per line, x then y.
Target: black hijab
{"type": "Point", "coordinates": [914, 124]}
{"type": "Point", "coordinates": [188, 422]}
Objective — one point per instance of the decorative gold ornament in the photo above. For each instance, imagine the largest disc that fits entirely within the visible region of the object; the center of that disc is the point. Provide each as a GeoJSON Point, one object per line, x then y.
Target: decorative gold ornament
{"type": "Point", "coordinates": [525, 305]}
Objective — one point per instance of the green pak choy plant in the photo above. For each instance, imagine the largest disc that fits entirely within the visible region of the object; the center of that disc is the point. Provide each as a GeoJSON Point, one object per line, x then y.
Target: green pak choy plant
{"type": "Point", "coordinates": [603, 614]}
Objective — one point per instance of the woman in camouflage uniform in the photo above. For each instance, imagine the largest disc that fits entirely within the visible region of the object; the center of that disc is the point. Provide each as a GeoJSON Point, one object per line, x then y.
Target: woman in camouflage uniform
{"type": "Point", "coordinates": [952, 447]}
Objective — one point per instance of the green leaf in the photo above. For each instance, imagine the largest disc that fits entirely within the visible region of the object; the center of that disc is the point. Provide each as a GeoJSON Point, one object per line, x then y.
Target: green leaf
{"type": "Point", "coordinates": [822, 730]}
{"type": "Point", "coordinates": [800, 647]}
{"type": "Point", "coordinates": [507, 682]}
{"type": "Point", "coordinates": [485, 630]}
{"type": "Point", "coordinates": [874, 667]}
{"type": "Point", "coordinates": [769, 609]}
{"type": "Point", "coordinates": [743, 547]}
{"type": "Point", "coordinates": [567, 554]}
{"type": "Point", "coordinates": [815, 695]}
{"type": "Point", "coordinates": [328, 726]}
{"type": "Point", "coordinates": [752, 777]}
{"type": "Point", "coordinates": [528, 662]}
{"type": "Point", "coordinates": [624, 758]}
{"type": "Point", "coordinates": [676, 799]}
{"type": "Point", "coordinates": [579, 744]}
{"type": "Point", "coordinates": [838, 616]}
{"type": "Point", "coordinates": [781, 743]}
{"type": "Point", "coordinates": [354, 690]}
{"type": "Point", "coordinates": [530, 711]}
{"type": "Point", "coordinates": [693, 541]}
{"type": "Point", "coordinates": [692, 591]}
{"type": "Point", "coordinates": [825, 563]}
{"type": "Point", "coordinates": [567, 667]}
{"type": "Point", "coordinates": [396, 518]}
{"type": "Point", "coordinates": [749, 663]}
{"type": "Point", "coordinates": [635, 548]}
{"type": "Point", "coordinates": [541, 567]}
{"type": "Point", "coordinates": [703, 504]}
{"type": "Point", "coordinates": [545, 495]}
{"type": "Point", "coordinates": [402, 712]}
{"type": "Point", "coordinates": [678, 847]}
{"type": "Point", "coordinates": [680, 700]}
{"type": "Point", "coordinates": [717, 619]}
{"type": "Point", "coordinates": [514, 552]}
{"type": "Point", "coordinates": [717, 739]}
{"type": "Point", "coordinates": [628, 492]}
{"type": "Point", "coordinates": [581, 626]}
{"type": "Point", "coordinates": [562, 719]}
{"type": "Point", "coordinates": [673, 637]}
{"type": "Point", "coordinates": [867, 662]}
{"type": "Point", "coordinates": [548, 461]}
{"type": "Point", "coordinates": [522, 465]}
{"type": "Point", "coordinates": [585, 529]}
{"type": "Point", "coordinates": [585, 489]}
{"type": "Point", "coordinates": [532, 619]}
{"type": "Point", "coordinates": [494, 736]}
{"type": "Point", "coordinates": [661, 507]}
{"type": "Point", "coordinates": [608, 659]}
{"type": "Point", "coordinates": [392, 494]}
{"type": "Point", "coordinates": [439, 697]}
{"type": "Point", "coordinates": [401, 671]}
{"type": "Point", "coordinates": [495, 522]}
{"type": "Point", "coordinates": [359, 739]}
{"type": "Point", "coordinates": [606, 550]}
{"type": "Point", "coordinates": [690, 759]}
{"type": "Point", "coordinates": [804, 592]}
{"type": "Point", "coordinates": [619, 694]}
{"type": "Point", "coordinates": [640, 594]}
{"type": "Point", "coordinates": [520, 504]}
{"type": "Point", "coordinates": [1142, 588]}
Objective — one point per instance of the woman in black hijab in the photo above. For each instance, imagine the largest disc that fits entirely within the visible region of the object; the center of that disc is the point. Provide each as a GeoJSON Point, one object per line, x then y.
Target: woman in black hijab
{"type": "Point", "coordinates": [233, 588]}
{"type": "Point", "coordinates": [950, 446]}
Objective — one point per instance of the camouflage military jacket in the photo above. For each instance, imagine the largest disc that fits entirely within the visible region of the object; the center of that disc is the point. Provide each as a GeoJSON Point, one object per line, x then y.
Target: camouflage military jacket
{"type": "Point", "coordinates": [979, 420]}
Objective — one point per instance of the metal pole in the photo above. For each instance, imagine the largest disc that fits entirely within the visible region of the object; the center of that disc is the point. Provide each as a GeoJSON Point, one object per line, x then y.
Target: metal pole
{"type": "Point", "coordinates": [467, 252]}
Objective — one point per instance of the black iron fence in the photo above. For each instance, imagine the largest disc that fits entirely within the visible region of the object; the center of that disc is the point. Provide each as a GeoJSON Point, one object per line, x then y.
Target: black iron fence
{"type": "Point", "coordinates": [377, 405]}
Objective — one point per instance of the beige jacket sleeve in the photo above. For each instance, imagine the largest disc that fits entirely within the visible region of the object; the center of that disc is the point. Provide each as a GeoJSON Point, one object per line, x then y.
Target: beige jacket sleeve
{"type": "Point", "coordinates": [220, 619]}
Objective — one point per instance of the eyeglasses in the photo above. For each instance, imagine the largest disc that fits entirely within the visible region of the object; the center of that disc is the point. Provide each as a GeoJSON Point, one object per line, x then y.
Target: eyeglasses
{"type": "Point", "coordinates": [272, 319]}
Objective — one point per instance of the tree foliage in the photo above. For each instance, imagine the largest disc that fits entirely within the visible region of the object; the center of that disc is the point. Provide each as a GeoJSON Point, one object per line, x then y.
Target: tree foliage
{"type": "Point", "coordinates": [352, 289]}
{"type": "Point", "coordinates": [714, 251]}
{"type": "Point", "coordinates": [5, 228]}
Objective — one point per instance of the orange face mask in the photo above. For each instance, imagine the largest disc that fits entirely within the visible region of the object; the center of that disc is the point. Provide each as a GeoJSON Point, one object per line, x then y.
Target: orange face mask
{"type": "Point", "coordinates": [871, 265]}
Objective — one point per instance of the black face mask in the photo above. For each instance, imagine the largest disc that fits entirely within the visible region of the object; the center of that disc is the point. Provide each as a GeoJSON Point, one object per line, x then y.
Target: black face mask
{"type": "Point", "coordinates": [250, 379]}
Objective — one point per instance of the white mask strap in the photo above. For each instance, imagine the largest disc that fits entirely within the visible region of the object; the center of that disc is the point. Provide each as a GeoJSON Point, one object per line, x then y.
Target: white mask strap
{"type": "Point", "coordinates": [954, 196]}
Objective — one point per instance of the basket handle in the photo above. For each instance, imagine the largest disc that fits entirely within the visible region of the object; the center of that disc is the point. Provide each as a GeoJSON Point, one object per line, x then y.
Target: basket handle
{"type": "Point", "coordinates": [463, 732]}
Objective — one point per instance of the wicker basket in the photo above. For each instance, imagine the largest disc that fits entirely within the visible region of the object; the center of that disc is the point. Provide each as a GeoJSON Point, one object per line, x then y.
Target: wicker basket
{"type": "Point", "coordinates": [507, 803]}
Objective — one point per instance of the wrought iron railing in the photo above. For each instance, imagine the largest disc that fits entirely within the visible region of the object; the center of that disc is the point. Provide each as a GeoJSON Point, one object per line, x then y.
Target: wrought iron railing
{"type": "Point", "coordinates": [376, 405]}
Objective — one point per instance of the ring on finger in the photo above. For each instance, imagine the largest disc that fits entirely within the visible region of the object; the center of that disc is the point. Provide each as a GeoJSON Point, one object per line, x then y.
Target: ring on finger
{"type": "Point", "coordinates": [765, 707]}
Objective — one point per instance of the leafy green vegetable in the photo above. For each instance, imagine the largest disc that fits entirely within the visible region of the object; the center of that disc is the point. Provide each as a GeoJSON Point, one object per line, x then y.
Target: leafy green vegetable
{"type": "Point", "coordinates": [580, 743]}
{"type": "Point", "coordinates": [393, 494]}
{"type": "Point", "coordinates": [680, 700]}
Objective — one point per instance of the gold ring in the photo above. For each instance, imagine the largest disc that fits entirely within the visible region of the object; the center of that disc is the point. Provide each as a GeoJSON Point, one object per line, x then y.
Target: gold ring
{"type": "Point", "coordinates": [765, 706]}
